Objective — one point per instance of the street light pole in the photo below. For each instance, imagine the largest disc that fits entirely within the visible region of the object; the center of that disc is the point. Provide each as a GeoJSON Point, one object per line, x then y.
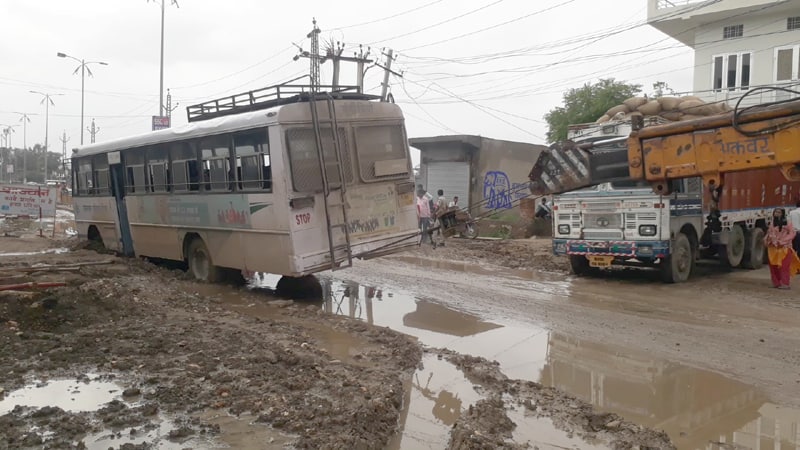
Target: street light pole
{"type": "Point", "coordinates": [47, 100]}
{"type": "Point", "coordinates": [24, 119]}
{"type": "Point", "coordinates": [161, 70]}
{"type": "Point", "coordinates": [83, 67]}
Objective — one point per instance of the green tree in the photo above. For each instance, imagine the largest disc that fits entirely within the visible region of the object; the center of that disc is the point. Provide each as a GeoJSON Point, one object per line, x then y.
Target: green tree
{"type": "Point", "coordinates": [660, 88]}
{"type": "Point", "coordinates": [586, 104]}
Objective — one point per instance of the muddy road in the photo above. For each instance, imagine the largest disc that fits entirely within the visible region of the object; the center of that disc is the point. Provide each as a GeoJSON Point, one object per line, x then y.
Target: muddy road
{"type": "Point", "coordinates": [713, 361]}
{"type": "Point", "coordinates": [119, 353]}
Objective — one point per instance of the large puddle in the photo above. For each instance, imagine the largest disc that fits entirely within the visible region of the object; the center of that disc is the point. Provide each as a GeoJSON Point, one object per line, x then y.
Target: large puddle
{"type": "Point", "coordinates": [698, 409]}
{"type": "Point", "coordinates": [89, 395]}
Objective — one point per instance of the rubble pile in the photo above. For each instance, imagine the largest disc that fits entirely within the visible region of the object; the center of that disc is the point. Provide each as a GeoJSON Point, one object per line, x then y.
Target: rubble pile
{"type": "Point", "coordinates": [669, 108]}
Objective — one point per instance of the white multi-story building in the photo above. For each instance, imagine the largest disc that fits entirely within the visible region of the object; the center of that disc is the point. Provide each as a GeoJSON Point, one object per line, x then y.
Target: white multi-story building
{"type": "Point", "coordinates": [738, 44]}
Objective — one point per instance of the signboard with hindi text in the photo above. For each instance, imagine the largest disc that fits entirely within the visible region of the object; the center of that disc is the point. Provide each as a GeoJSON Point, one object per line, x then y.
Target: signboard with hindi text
{"type": "Point", "coordinates": [22, 200]}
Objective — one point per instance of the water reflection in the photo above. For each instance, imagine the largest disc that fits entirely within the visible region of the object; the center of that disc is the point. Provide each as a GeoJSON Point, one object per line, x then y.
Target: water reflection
{"type": "Point", "coordinates": [699, 409]}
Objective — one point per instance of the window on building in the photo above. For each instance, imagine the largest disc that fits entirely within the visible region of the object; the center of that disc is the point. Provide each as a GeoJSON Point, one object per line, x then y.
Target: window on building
{"type": "Point", "coordinates": [215, 154]}
{"type": "Point", "coordinates": [732, 71]}
{"type": "Point", "coordinates": [793, 23]}
{"type": "Point", "coordinates": [185, 167]}
{"type": "Point", "coordinates": [732, 31]}
{"type": "Point", "coordinates": [251, 152]}
{"type": "Point", "coordinates": [787, 63]}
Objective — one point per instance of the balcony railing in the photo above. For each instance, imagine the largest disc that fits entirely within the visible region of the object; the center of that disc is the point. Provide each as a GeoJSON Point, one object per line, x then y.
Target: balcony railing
{"type": "Point", "coordinates": [732, 96]}
{"type": "Point", "coordinates": [664, 4]}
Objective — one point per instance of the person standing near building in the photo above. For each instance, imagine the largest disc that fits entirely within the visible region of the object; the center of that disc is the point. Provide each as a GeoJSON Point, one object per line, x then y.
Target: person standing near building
{"type": "Point", "coordinates": [454, 203]}
{"type": "Point", "coordinates": [794, 219]}
{"type": "Point", "coordinates": [423, 211]}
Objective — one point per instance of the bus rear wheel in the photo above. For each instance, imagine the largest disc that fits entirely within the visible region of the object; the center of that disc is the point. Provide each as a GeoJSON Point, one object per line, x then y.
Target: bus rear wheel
{"type": "Point", "coordinates": [201, 265]}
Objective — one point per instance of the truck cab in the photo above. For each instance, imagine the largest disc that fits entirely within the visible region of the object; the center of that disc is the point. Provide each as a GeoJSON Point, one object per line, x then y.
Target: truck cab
{"type": "Point", "coordinates": [623, 222]}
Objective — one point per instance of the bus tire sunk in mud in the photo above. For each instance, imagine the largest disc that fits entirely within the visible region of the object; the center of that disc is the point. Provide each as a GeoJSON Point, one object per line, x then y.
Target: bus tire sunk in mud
{"type": "Point", "coordinates": [754, 249]}
{"type": "Point", "coordinates": [731, 254]}
{"type": "Point", "coordinates": [579, 265]}
{"type": "Point", "coordinates": [303, 288]}
{"type": "Point", "coordinates": [200, 264]}
{"type": "Point", "coordinates": [677, 267]}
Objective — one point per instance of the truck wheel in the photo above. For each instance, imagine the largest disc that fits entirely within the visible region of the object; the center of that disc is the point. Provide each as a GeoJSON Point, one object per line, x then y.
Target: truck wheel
{"type": "Point", "coordinates": [731, 255]}
{"type": "Point", "coordinates": [754, 249]}
{"type": "Point", "coordinates": [200, 264]}
{"type": "Point", "coordinates": [677, 267]}
{"type": "Point", "coordinates": [579, 265]}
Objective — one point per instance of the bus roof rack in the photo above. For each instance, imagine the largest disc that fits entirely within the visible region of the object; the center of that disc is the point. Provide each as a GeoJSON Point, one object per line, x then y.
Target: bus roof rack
{"type": "Point", "coordinates": [269, 97]}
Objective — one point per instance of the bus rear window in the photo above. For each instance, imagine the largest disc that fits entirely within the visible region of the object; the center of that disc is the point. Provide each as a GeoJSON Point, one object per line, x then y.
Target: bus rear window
{"type": "Point", "coordinates": [381, 152]}
{"type": "Point", "coordinates": [306, 176]}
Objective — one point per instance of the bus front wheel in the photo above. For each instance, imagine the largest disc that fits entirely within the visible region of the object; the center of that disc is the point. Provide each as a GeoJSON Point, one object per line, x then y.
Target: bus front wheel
{"type": "Point", "coordinates": [200, 263]}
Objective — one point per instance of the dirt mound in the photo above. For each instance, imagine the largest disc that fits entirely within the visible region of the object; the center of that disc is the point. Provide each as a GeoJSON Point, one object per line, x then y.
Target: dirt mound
{"type": "Point", "coordinates": [183, 353]}
{"type": "Point", "coordinates": [528, 254]}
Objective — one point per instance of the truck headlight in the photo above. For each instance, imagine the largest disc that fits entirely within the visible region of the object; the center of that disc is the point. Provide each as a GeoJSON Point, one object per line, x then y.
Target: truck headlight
{"type": "Point", "coordinates": [563, 229]}
{"type": "Point", "coordinates": [647, 230]}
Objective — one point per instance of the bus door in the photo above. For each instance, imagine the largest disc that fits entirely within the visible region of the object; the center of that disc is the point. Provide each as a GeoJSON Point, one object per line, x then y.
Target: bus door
{"type": "Point", "coordinates": [117, 173]}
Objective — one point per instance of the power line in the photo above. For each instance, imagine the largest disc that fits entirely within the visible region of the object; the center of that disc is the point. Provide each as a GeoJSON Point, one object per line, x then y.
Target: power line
{"type": "Point", "coordinates": [490, 27]}
{"type": "Point", "coordinates": [370, 22]}
{"type": "Point", "coordinates": [438, 23]}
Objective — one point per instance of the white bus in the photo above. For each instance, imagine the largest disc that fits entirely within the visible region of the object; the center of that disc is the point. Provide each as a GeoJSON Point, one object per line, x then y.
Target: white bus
{"type": "Point", "coordinates": [252, 184]}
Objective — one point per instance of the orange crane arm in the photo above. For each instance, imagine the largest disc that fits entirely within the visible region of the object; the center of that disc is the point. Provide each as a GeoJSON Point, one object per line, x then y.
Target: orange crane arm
{"type": "Point", "coordinates": [753, 138]}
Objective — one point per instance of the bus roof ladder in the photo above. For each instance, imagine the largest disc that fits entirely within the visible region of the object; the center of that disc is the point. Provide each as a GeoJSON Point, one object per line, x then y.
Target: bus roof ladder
{"type": "Point", "coordinates": [268, 97]}
{"type": "Point", "coordinates": [333, 192]}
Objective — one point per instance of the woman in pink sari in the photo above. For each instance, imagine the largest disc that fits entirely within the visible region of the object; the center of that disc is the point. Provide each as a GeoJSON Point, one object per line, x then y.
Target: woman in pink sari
{"type": "Point", "coordinates": [783, 261]}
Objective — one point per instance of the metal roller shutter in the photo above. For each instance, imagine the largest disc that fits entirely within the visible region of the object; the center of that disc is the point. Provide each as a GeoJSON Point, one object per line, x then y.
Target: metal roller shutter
{"type": "Point", "coordinates": [452, 177]}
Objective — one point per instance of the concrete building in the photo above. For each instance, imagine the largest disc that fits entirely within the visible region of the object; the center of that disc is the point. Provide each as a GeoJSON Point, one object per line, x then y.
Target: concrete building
{"type": "Point", "coordinates": [488, 173]}
{"type": "Point", "coordinates": [738, 44]}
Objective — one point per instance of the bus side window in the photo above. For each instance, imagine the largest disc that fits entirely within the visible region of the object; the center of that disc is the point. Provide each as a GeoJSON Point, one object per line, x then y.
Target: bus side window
{"type": "Point", "coordinates": [251, 152]}
{"type": "Point", "coordinates": [215, 153]}
{"type": "Point", "coordinates": [183, 170]}
{"type": "Point", "coordinates": [134, 171]}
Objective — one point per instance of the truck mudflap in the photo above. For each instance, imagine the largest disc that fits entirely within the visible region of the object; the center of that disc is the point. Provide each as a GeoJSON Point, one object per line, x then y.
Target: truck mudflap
{"type": "Point", "coordinates": [643, 250]}
{"type": "Point", "coordinates": [568, 166]}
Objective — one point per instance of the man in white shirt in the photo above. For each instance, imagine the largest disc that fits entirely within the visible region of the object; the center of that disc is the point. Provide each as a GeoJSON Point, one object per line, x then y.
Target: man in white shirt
{"type": "Point", "coordinates": [454, 202]}
{"type": "Point", "coordinates": [794, 219]}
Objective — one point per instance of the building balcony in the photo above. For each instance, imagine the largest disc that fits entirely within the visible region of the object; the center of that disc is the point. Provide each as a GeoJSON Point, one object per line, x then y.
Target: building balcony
{"type": "Point", "coordinates": [732, 96]}
{"type": "Point", "coordinates": [682, 19]}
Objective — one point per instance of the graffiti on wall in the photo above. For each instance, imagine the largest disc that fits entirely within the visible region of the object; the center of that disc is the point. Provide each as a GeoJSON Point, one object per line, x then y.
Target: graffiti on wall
{"type": "Point", "coordinates": [497, 191]}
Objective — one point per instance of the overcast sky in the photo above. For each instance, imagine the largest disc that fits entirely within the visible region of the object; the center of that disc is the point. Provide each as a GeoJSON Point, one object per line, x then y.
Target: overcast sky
{"type": "Point", "coordinates": [484, 67]}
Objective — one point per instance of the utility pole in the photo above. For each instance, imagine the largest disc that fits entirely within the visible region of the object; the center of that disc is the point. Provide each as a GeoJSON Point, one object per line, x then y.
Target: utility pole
{"type": "Point", "coordinates": [387, 70]}
{"type": "Point", "coordinates": [64, 139]}
{"type": "Point", "coordinates": [24, 119]}
{"type": "Point", "coordinates": [6, 148]}
{"type": "Point", "coordinates": [170, 108]}
{"type": "Point", "coordinates": [315, 58]}
{"type": "Point", "coordinates": [93, 130]}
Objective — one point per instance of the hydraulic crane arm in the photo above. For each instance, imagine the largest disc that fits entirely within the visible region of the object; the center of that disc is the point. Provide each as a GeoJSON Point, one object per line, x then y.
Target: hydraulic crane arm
{"type": "Point", "coordinates": [748, 139]}
{"type": "Point", "coordinates": [568, 166]}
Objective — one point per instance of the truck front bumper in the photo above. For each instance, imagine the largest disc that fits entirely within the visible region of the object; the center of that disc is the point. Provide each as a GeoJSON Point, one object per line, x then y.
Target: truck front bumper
{"type": "Point", "coordinates": [642, 250]}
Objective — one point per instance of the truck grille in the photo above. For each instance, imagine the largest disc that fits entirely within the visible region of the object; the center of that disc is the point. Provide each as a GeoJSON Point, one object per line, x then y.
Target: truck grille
{"type": "Point", "coordinates": [602, 220]}
{"type": "Point", "coordinates": [602, 234]}
{"type": "Point", "coordinates": [631, 219]}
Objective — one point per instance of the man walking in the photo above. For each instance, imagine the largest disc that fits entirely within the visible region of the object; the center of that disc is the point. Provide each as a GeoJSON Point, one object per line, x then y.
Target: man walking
{"type": "Point", "coordinates": [423, 211]}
